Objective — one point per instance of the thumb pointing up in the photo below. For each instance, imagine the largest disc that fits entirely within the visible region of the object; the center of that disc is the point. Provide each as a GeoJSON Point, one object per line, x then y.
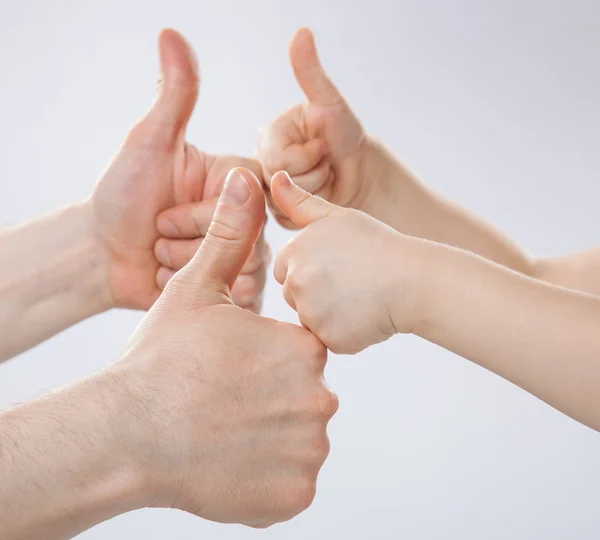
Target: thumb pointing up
{"type": "Point", "coordinates": [235, 228]}
{"type": "Point", "coordinates": [309, 72]}
{"type": "Point", "coordinates": [329, 114]}
{"type": "Point", "coordinates": [299, 205]}
{"type": "Point", "coordinates": [179, 85]}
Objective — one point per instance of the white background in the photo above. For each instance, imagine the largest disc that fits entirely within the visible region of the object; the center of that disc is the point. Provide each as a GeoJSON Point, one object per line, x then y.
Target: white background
{"type": "Point", "coordinates": [494, 103]}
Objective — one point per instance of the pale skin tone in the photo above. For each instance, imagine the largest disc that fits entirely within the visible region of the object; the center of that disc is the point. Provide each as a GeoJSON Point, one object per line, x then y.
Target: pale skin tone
{"type": "Point", "coordinates": [95, 449]}
{"type": "Point", "coordinates": [356, 281]}
{"type": "Point", "coordinates": [371, 282]}
{"type": "Point", "coordinates": [241, 398]}
{"type": "Point", "coordinates": [324, 147]}
{"type": "Point", "coordinates": [145, 220]}
{"type": "Point", "coordinates": [212, 409]}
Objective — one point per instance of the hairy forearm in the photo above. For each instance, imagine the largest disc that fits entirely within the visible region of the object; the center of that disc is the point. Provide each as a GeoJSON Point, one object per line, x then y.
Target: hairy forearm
{"type": "Point", "coordinates": [63, 467]}
{"type": "Point", "coordinates": [410, 207]}
{"type": "Point", "coordinates": [51, 276]}
{"type": "Point", "coordinates": [541, 337]}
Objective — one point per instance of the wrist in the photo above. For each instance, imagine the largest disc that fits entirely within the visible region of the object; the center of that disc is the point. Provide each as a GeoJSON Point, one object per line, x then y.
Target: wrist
{"type": "Point", "coordinates": [64, 465]}
{"type": "Point", "coordinates": [408, 297]}
{"type": "Point", "coordinates": [118, 482]}
{"type": "Point", "coordinates": [442, 271]}
{"type": "Point", "coordinates": [125, 445]}
{"type": "Point", "coordinates": [141, 432]}
{"type": "Point", "coordinates": [52, 275]}
{"type": "Point", "coordinates": [115, 480]}
{"type": "Point", "coordinates": [383, 174]}
{"type": "Point", "coordinates": [97, 291]}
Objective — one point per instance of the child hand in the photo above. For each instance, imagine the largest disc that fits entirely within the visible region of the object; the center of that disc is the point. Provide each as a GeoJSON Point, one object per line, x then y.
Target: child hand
{"type": "Point", "coordinates": [322, 143]}
{"type": "Point", "coordinates": [345, 271]}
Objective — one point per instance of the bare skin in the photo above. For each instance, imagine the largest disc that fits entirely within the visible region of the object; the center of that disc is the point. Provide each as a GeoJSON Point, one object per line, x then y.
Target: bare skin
{"type": "Point", "coordinates": [326, 150]}
{"type": "Point", "coordinates": [356, 281]}
{"type": "Point", "coordinates": [542, 337]}
{"type": "Point", "coordinates": [145, 221]}
{"type": "Point", "coordinates": [211, 409]}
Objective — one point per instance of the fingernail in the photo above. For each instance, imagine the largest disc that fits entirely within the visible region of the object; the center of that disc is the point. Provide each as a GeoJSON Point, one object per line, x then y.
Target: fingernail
{"type": "Point", "coordinates": [163, 256]}
{"type": "Point", "coordinates": [287, 180]}
{"type": "Point", "coordinates": [236, 190]}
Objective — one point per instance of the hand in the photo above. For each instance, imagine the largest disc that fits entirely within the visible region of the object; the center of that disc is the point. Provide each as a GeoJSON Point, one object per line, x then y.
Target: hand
{"type": "Point", "coordinates": [343, 270]}
{"type": "Point", "coordinates": [231, 408]}
{"type": "Point", "coordinates": [321, 144]}
{"type": "Point", "coordinates": [183, 229]}
{"type": "Point", "coordinates": [156, 170]}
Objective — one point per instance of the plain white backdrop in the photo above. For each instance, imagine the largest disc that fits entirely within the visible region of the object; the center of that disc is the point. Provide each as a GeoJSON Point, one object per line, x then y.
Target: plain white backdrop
{"type": "Point", "coordinates": [495, 103]}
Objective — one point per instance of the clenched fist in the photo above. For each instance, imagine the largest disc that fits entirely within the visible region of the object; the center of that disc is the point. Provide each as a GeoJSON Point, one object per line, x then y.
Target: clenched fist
{"type": "Point", "coordinates": [320, 143]}
{"type": "Point", "coordinates": [353, 280]}
{"type": "Point", "coordinates": [154, 203]}
{"type": "Point", "coordinates": [230, 409]}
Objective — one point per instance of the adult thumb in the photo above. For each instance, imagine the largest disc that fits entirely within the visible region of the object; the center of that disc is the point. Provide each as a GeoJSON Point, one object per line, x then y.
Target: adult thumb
{"type": "Point", "coordinates": [235, 228]}
{"type": "Point", "coordinates": [299, 205]}
{"type": "Point", "coordinates": [309, 72]}
{"type": "Point", "coordinates": [178, 90]}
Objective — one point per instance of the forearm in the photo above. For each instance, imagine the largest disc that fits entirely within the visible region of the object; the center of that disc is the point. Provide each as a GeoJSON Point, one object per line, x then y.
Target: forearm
{"type": "Point", "coordinates": [62, 465]}
{"type": "Point", "coordinates": [543, 338]}
{"type": "Point", "coordinates": [410, 207]}
{"type": "Point", "coordinates": [579, 271]}
{"type": "Point", "coordinates": [51, 276]}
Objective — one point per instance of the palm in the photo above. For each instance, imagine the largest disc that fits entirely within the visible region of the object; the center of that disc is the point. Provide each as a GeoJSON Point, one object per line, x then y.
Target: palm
{"type": "Point", "coordinates": [155, 170]}
{"type": "Point", "coordinates": [141, 182]}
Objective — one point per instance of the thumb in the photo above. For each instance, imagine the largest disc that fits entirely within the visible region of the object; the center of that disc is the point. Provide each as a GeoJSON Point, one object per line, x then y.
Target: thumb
{"type": "Point", "coordinates": [235, 228]}
{"type": "Point", "coordinates": [178, 88]}
{"type": "Point", "coordinates": [300, 206]}
{"type": "Point", "coordinates": [309, 72]}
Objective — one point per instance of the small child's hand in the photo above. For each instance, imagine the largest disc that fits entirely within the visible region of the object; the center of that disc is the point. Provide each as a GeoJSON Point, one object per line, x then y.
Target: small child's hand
{"type": "Point", "coordinates": [341, 273]}
{"type": "Point", "coordinates": [322, 144]}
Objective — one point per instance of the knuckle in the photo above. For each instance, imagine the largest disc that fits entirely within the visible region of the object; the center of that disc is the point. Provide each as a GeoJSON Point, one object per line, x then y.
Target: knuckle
{"type": "Point", "coordinates": [300, 278]}
{"type": "Point", "coordinates": [321, 450]}
{"type": "Point", "coordinates": [318, 451]}
{"type": "Point", "coordinates": [224, 228]}
{"type": "Point", "coordinates": [299, 496]}
{"type": "Point", "coordinates": [334, 403]}
{"type": "Point", "coordinates": [325, 404]}
{"type": "Point", "coordinates": [308, 273]}
{"type": "Point", "coordinates": [293, 283]}
{"type": "Point", "coordinates": [305, 493]}
{"type": "Point", "coordinates": [288, 295]}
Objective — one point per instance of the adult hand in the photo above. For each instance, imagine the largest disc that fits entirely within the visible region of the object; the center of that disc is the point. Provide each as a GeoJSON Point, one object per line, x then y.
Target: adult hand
{"type": "Point", "coordinates": [231, 408]}
{"type": "Point", "coordinates": [157, 170]}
